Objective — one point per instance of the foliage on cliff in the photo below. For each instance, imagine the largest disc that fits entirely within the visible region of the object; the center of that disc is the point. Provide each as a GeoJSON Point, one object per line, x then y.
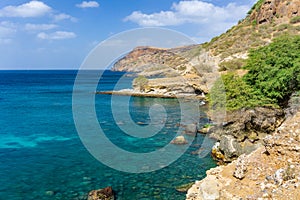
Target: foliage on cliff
{"type": "Point", "coordinates": [274, 74]}
{"type": "Point", "coordinates": [274, 70]}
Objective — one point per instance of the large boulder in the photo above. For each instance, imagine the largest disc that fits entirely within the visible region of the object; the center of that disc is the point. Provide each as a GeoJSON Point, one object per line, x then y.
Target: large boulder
{"type": "Point", "coordinates": [230, 146]}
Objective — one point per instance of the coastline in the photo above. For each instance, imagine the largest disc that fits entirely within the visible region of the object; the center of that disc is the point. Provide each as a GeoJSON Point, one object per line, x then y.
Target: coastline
{"type": "Point", "coordinates": [134, 93]}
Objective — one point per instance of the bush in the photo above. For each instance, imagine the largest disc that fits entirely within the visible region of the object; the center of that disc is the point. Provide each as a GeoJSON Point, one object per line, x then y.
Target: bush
{"type": "Point", "coordinates": [231, 92]}
{"type": "Point", "coordinates": [233, 64]}
{"type": "Point", "coordinates": [274, 70]}
{"type": "Point", "coordinates": [141, 82]}
{"type": "Point", "coordinates": [295, 20]}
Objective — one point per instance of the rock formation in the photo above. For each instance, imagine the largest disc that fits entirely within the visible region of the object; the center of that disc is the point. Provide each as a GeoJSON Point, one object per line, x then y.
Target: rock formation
{"type": "Point", "coordinates": [244, 130]}
{"type": "Point", "coordinates": [272, 171]}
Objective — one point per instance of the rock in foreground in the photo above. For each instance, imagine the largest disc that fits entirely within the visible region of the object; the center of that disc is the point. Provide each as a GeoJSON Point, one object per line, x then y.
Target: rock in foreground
{"type": "Point", "coordinates": [269, 172]}
{"type": "Point", "coordinates": [102, 194]}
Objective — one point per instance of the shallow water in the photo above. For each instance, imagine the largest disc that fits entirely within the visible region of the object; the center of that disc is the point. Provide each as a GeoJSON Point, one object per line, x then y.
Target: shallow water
{"type": "Point", "coordinates": [40, 149]}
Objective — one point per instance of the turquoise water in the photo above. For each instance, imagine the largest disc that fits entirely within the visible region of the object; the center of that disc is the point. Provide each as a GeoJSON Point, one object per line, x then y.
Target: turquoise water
{"type": "Point", "coordinates": [40, 149]}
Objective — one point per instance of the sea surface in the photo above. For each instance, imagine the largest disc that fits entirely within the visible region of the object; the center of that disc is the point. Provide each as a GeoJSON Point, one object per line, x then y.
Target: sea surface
{"type": "Point", "coordinates": [42, 156]}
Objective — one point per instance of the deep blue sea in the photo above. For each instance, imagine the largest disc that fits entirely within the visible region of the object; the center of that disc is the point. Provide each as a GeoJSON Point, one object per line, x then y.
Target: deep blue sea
{"type": "Point", "coordinates": [42, 157]}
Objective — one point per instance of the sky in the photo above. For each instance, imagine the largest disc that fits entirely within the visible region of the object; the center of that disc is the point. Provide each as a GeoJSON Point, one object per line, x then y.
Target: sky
{"type": "Point", "coordinates": [52, 34]}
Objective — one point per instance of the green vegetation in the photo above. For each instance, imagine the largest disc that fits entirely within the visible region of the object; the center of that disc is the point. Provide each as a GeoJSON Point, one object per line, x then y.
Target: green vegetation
{"type": "Point", "coordinates": [233, 93]}
{"type": "Point", "coordinates": [256, 6]}
{"type": "Point", "coordinates": [274, 74]}
{"type": "Point", "coordinates": [141, 82]}
{"type": "Point", "coordinates": [233, 64]}
{"type": "Point", "coordinates": [295, 20]}
{"type": "Point", "coordinates": [274, 70]}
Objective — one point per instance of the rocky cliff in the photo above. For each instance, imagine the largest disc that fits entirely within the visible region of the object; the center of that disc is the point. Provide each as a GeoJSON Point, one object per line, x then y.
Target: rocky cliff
{"type": "Point", "coordinates": [270, 172]}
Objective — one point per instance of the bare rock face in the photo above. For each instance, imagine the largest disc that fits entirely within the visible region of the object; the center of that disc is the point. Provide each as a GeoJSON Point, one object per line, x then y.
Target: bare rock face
{"type": "Point", "coordinates": [102, 194]}
{"type": "Point", "coordinates": [270, 172]}
{"type": "Point", "coordinates": [272, 9]}
{"type": "Point", "coordinates": [245, 130]}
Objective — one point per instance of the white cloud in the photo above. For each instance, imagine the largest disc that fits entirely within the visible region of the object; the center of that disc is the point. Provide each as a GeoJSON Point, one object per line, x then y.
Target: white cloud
{"type": "Point", "coordinates": [39, 27]}
{"type": "Point", "coordinates": [30, 9]}
{"type": "Point", "coordinates": [58, 35]}
{"type": "Point", "coordinates": [195, 11]}
{"type": "Point", "coordinates": [88, 4]}
{"type": "Point", "coordinates": [63, 16]}
{"type": "Point", "coordinates": [7, 31]}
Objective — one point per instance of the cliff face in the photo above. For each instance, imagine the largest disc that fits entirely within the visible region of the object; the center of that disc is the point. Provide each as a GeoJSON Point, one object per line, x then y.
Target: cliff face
{"type": "Point", "coordinates": [172, 70]}
{"type": "Point", "coordinates": [270, 172]}
{"type": "Point", "coordinates": [276, 10]}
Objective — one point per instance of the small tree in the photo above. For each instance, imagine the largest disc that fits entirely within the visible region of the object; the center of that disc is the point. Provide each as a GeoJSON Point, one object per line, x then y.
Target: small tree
{"type": "Point", "coordinates": [140, 82]}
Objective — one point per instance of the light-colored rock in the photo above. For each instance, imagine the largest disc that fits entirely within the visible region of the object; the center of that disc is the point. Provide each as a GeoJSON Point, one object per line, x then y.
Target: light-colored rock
{"type": "Point", "coordinates": [241, 167]}
{"type": "Point", "coordinates": [179, 140]}
{"type": "Point", "coordinates": [273, 170]}
{"type": "Point", "coordinates": [230, 146]}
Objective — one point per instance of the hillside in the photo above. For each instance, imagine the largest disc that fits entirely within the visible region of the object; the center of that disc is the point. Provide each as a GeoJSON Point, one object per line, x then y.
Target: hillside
{"type": "Point", "coordinates": [199, 65]}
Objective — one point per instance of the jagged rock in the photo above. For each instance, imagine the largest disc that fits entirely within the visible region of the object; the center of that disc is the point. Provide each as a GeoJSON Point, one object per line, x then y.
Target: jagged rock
{"type": "Point", "coordinates": [273, 170]}
{"type": "Point", "coordinates": [272, 9]}
{"type": "Point", "coordinates": [245, 129]}
{"type": "Point", "coordinates": [241, 167]}
{"type": "Point", "coordinates": [216, 153]}
{"type": "Point", "coordinates": [230, 146]}
{"type": "Point", "coordinates": [102, 194]}
{"type": "Point", "coordinates": [179, 140]}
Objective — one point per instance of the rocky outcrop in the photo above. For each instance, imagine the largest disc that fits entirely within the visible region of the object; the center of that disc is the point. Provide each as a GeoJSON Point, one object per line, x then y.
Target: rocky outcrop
{"type": "Point", "coordinates": [102, 194]}
{"type": "Point", "coordinates": [270, 172]}
{"type": "Point", "coordinates": [175, 70]}
{"type": "Point", "coordinates": [271, 10]}
{"type": "Point", "coordinates": [244, 131]}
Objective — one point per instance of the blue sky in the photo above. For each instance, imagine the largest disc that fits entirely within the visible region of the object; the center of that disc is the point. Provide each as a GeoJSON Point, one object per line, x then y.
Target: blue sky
{"type": "Point", "coordinates": [52, 34]}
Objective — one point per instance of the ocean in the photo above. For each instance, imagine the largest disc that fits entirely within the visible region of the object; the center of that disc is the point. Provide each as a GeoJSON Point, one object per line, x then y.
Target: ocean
{"type": "Point", "coordinates": [42, 156]}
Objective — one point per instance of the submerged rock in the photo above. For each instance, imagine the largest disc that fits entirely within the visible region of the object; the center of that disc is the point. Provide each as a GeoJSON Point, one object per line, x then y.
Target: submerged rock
{"type": "Point", "coordinates": [191, 129]}
{"type": "Point", "coordinates": [102, 194]}
{"type": "Point", "coordinates": [179, 140]}
{"type": "Point", "coordinates": [184, 187]}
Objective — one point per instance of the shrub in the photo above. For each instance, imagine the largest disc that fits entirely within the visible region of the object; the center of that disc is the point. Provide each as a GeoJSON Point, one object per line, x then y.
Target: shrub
{"type": "Point", "coordinates": [295, 20]}
{"type": "Point", "coordinates": [232, 64]}
{"type": "Point", "coordinates": [274, 70]}
{"type": "Point", "coordinates": [231, 92]}
{"type": "Point", "coordinates": [282, 27]}
{"type": "Point", "coordinates": [141, 82]}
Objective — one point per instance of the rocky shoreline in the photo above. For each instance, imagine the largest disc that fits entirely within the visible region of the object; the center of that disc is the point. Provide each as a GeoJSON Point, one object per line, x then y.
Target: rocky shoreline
{"type": "Point", "coordinates": [272, 171]}
{"type": "Point", "coordinates": [154, 94]}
